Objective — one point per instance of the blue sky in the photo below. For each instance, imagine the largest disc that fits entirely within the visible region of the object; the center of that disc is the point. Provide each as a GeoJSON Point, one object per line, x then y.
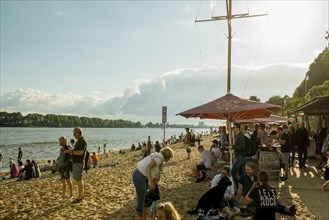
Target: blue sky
{"type": "Point", "coordinates": [126, 59]}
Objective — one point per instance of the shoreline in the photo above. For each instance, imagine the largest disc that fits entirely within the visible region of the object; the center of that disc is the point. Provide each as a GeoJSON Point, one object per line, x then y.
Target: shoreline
{"type": "Point", "coordinates": [110, 193]}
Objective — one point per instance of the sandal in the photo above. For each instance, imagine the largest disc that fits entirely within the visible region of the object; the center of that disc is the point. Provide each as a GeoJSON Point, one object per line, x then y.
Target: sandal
{"type": "Point", "coordinates": [77, 200]}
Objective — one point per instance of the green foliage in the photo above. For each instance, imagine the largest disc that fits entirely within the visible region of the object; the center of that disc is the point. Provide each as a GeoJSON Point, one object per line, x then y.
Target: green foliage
{"type": "Point", "coordinates": [315, 82]}
{"type": "Point", "coordinates": [254, 98]}
{"type": "Point", "coordinates": [320, 90]}
{"type": "Point", "coordinates": [318, 73]}
{"type": "Point", "coordinates": [276, 100]}
{"type": "Point", "coordinates": [281, 101]}
{"type": "Point", "coordinates": [16, 119]}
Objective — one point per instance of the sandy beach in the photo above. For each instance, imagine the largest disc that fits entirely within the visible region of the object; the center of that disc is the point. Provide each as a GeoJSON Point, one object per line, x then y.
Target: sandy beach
{"type": "Point", "coordinates": [110, 193]}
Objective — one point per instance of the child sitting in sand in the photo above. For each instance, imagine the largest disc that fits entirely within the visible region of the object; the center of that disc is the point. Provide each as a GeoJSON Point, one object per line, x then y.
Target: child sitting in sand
{"type": "Point", "coordinates": [94, 159]}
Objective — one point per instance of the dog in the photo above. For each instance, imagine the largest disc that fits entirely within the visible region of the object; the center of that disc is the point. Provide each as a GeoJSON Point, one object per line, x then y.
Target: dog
{"type": "Point", "coordinates": [212, 197]}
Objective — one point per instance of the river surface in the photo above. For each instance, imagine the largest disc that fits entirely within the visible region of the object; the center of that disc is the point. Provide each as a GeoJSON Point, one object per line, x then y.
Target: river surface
{"type": "Point", "coordinates": [42, 143]}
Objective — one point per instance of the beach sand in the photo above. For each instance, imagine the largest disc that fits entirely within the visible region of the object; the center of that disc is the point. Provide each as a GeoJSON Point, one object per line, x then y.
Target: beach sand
{"type": "Point", "coordinates": [110, 193]}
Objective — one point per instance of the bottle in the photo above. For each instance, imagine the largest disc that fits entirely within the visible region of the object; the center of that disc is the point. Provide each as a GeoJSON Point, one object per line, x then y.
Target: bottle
{"type": "Point", "coordinates": [201, 215]}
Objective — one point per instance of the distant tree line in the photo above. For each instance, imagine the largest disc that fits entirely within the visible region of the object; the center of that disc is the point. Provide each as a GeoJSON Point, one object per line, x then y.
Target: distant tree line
{"type": "Point", "coordinates": [16, 119]}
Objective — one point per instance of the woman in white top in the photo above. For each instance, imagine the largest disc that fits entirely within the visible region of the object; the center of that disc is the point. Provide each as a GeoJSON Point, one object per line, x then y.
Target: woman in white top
{"type": "Point", "coordinates": [143, 177]}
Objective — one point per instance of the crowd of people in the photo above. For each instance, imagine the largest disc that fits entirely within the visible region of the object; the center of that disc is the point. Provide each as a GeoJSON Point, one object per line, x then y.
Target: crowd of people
{"type": "Point", "coordinates": [19, 170]}
{"type": "Point", "coordinates": [243, 179]}
{"type": "Point", "coordinates": [260, 200]}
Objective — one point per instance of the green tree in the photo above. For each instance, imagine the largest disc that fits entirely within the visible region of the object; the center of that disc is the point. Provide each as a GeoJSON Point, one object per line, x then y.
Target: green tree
{"type": "Point", "coordinates": [254, 98]}
{"type": "Point", "coordinates": [320, 90]}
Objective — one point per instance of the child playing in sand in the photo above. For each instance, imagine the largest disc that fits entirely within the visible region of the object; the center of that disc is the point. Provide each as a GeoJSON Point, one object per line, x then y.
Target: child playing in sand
{"type": "Point", "coordinates": [94, 159]}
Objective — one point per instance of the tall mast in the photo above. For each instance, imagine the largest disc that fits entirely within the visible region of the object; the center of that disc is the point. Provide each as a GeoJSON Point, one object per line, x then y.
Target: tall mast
{"type": "Point", "coordinates": [229, 18]}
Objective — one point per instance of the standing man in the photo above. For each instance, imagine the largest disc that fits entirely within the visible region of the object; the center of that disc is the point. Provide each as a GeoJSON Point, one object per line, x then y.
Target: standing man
{"type": "Point", "coordinates": [284, 141]}
{"type": "Point", "coordinates": [187, 142]}
{"type": "Point", "coordinates": [319, 139]}
{"type": "Point", "coordinates": [262, 134]}
{"type": "Point", "coordinates": [78, 154]}
{"type": "Point", "coordinates": [240, 154]}
{"type": "Point", "coordinates": [20, 155]}
{"type": "Point", "coordinates": [302, 143]}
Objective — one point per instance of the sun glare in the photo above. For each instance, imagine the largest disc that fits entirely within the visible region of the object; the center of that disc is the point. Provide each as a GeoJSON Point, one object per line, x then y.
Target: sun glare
{"type": "Point", "coordinates": [289, 21]}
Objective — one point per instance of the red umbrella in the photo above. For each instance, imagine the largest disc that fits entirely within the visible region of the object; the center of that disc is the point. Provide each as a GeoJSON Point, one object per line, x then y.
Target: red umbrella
{"type": "Point", "coordinates": [271, 118]}
{"type": "Point", "coordinates": [231, 107]}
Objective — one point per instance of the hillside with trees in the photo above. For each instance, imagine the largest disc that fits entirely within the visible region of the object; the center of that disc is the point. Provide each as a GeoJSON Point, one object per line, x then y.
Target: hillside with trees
{"type": "Point", "coordinates": [316, 83]}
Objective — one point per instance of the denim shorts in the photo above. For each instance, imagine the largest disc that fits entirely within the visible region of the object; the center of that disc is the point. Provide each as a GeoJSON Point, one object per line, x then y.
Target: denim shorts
{"type": "Point", "coordinates": [65, 174]}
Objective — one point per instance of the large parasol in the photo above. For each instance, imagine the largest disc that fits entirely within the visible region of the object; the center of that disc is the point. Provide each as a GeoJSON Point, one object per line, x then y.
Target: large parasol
{"type": "Point", "coordinates": [271, 118]}
{"type": "Point", "coordinates": [231, 107]}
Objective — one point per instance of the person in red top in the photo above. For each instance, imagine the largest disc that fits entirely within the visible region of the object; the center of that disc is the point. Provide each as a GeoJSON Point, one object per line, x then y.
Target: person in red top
{"type": "Point", "coordinates": [94, 159]}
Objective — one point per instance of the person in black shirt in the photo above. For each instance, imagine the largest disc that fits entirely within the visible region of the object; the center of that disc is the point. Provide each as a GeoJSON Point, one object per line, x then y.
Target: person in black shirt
{"type": "Point", "coordinates": [78, 154]}
{"type": "Point", "coordinates": [157, 146]}
{"type": "Point", "coordinates": [265, 198]}
{"type": "Point", "coordinates": [302, 143]}
{"type": "Point", "coordinates": [240, 155]}
{"type": "Point", "coordinates": [20, 154]}
{"type": "Point", "coordinates": [28, 169]}
{"type": "Point", "coordinates": [319, 138]}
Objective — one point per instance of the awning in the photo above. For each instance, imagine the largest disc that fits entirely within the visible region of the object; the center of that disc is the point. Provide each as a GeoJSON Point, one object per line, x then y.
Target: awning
{"type": "Point", "coordinates": [319, 105]}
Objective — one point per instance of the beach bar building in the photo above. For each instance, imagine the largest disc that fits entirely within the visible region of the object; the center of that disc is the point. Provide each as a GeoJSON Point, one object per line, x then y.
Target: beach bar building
{"type": "Point", "coordinates": [316, 111]}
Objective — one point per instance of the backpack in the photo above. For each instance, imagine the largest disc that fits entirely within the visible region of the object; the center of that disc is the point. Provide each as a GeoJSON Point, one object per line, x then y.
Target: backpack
{"type": "Point", "coordinates": [86, 164]}
{"type": "Point", "coordinates": [249, 146]}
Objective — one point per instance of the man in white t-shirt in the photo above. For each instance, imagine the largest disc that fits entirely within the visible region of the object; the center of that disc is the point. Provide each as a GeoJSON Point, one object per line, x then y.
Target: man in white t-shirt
{"type": "Point", "coordinates": [206, 163]}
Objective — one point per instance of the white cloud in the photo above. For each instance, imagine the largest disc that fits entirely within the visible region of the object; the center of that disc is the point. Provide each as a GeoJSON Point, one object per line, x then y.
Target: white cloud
{"type": "Point", "coordinates": [179, 90]}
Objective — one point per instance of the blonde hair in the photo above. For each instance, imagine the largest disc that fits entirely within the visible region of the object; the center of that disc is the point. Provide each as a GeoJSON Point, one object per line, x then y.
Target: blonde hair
{"type": "Point", "coordinates": [77, 130]}
{"type": "Point", "coordinates": [169, 211]}
{"type": "Point", "coordinates": [167, 153]}
{"type": "Point", "coordinates": [62, 141]}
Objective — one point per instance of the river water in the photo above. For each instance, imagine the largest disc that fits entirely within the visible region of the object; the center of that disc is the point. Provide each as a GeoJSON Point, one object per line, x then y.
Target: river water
{"type": "Point", "coordinates": [42, 143]}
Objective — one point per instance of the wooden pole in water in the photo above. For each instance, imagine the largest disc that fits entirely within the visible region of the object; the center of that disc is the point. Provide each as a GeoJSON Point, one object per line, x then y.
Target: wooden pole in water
{"type": "Point", "coordinates": [149, 145]}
